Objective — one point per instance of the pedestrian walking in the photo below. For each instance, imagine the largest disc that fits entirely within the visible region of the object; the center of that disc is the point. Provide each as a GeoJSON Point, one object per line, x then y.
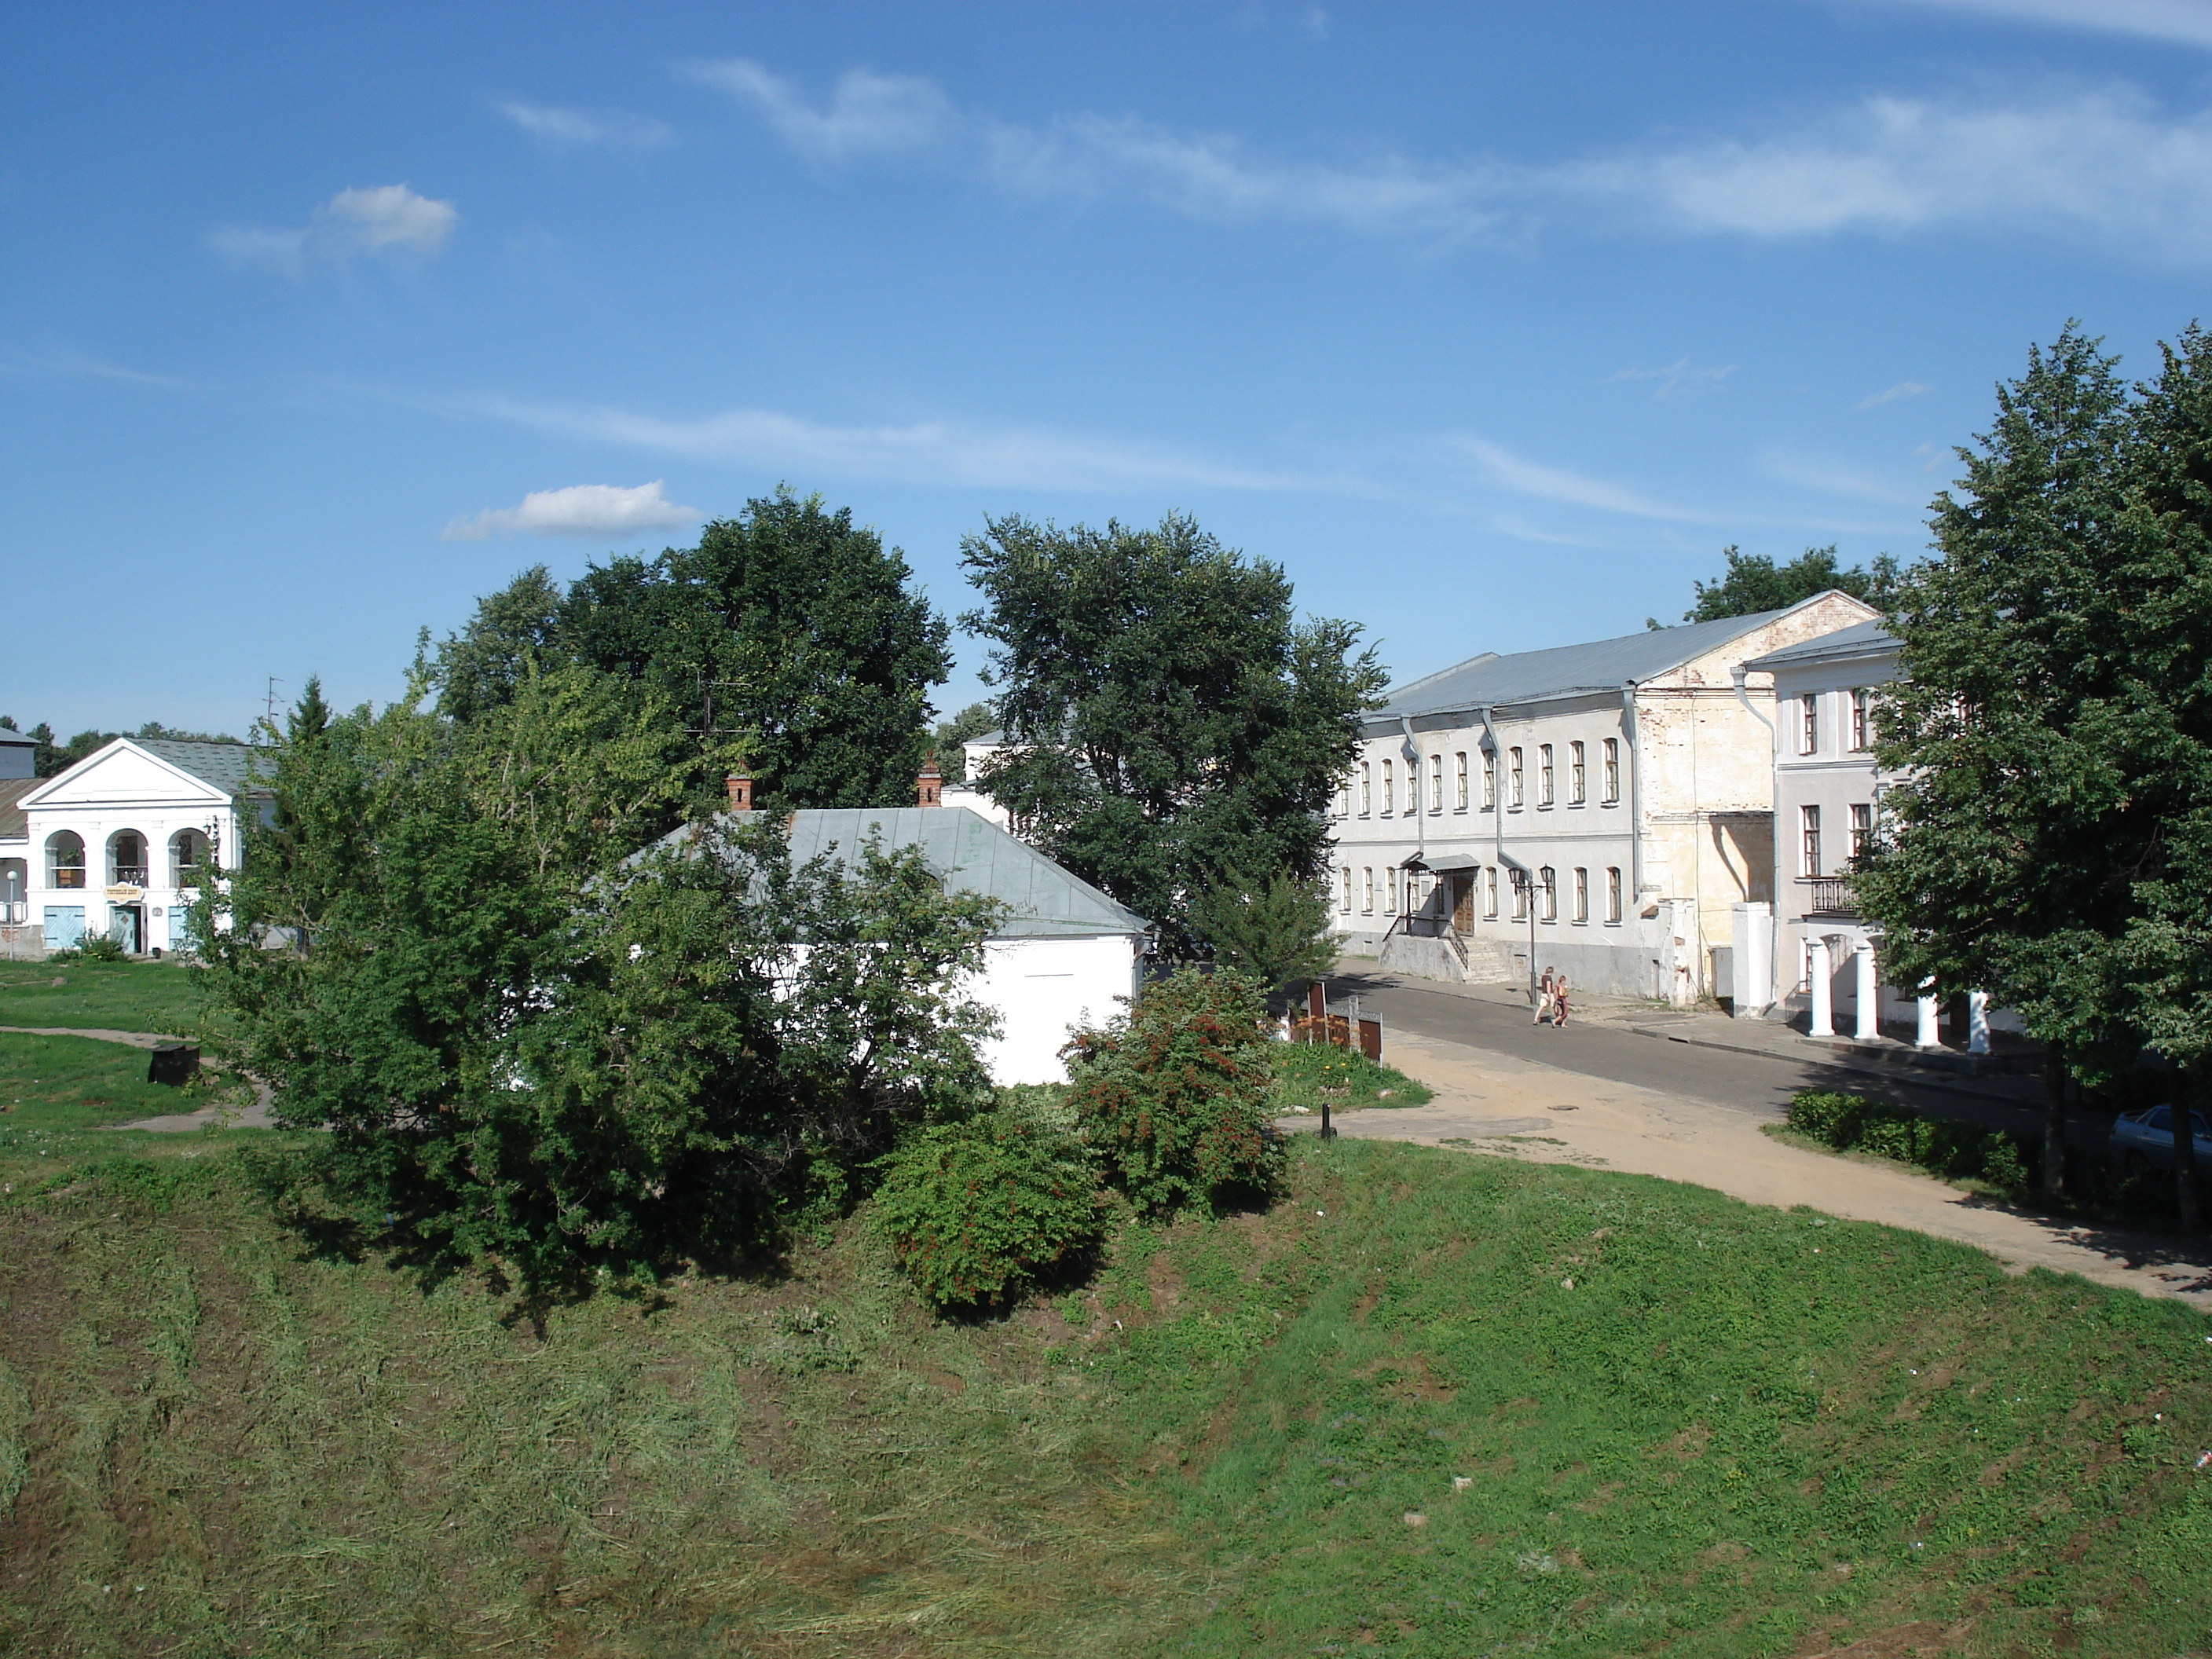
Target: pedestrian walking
{"type": "Point", "coordinates": [1559, 1003]}
{"type": "Point", "coordinates": [1543, 999]}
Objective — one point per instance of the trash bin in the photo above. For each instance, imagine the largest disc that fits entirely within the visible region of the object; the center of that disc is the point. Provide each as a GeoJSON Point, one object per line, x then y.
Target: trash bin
{"type": "Point", "coordinates": [173, 1063]}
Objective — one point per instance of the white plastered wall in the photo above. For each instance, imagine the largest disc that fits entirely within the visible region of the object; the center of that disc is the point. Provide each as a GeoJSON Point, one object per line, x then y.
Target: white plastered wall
{"type": "Point", "coordinates": [1042, 989]}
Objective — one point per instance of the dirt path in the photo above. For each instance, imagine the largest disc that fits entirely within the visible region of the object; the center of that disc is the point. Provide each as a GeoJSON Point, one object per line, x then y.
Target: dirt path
{"type": "Point", "coordinates": [255, 1116]}
{"type": "Point", "coordinates": [136, 1039]}
{"type": "Point", "coordinates": [1496, 1103]}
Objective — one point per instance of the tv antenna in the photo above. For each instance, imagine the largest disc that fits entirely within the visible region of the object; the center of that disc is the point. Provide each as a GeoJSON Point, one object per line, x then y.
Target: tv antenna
{"type": "Point", "coordinates": [270, 709]}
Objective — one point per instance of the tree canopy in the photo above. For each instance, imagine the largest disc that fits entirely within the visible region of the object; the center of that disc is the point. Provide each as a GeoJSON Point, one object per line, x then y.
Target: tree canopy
{"type": "Point", "coordinates": [1170, 718]}
{"type": "Point", "coordinates": [1753, 582]}
{"type": "Point", "coordinates": [788, 641]}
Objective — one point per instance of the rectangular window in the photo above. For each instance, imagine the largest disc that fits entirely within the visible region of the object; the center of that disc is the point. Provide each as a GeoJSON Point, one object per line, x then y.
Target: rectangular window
{"type": "Point", "coordinates": [1808, 727]}
{"type": "Point", "coordinates": [1550, 878]}
{"type": "Point", "coordinates": [1436, 783]}
{"type": "Point", "coordinates": [1612, 769]}
{"type": "Point", "coordinates": [1490, 894]}
{"type": "Point", "coordinates": [1343, 808]}
{"type": "Point", "coordinates": [1809, 823]}
{"type": "Point", "coordinates": [1513, 777]}
{"type": "Point", "coordinates": [1366, 789]}
{"type": "Point", "coordinates": [1862, 827]}
{"type": "Point", "coordinates": [1544, 775]}
{"type": "Point", "coordinates": [1577, 775]}
{"type": "Point", "coordinates": [1367, 891]}
{"type": "Point", "coordinates": [1861, 721]}
{"type": "Point", "coordinates": [1489, 780]}
{"type": "Point", "coordinates": [1612, 896]}
{"type": "Point", "coordinates": [1520, 895]}
{"type": "Point", "coordinates": [1343, 903]}
{"type": "Point", "coordinates": [1390, 891]}
{"type": "Point", "coordinates": [1459, 781]}
{"type": "Point", "coordinates": [1389, 790]}
{"type": "Point", "coordinates": [1582, 895]}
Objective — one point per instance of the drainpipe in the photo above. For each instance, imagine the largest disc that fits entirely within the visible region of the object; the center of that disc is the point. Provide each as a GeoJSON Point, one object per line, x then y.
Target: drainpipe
{"type": "Point", "coordinates": [1420, 794]}
{"type": "Point", "coordinates": [1773, 759]}
{"type": "Point", "coordinates": [1497, 827]}
{"type": "Point", "coordinates": [1635, 797]}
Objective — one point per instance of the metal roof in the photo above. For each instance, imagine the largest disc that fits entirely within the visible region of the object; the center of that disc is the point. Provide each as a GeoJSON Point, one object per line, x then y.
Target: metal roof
{"type": "Point", "coordinates": [222, 766]}
{"type": "Point", "coordinates": [1863, 639]}
{"type": "Point", "coordinates": [970, 854]}
{"type": "Point", "coordinates": [14, 825]}
{"type": "Point", "coordinates": [1601, 665]}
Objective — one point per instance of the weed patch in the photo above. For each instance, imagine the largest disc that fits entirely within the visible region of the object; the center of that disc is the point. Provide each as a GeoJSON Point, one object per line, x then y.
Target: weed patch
{"type": "Point", "coordinates": [1307, 1074]}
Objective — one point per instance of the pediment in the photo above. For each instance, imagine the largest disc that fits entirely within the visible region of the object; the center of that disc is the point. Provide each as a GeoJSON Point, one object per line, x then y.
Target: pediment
{"type": "Point", "coordinates": [124, 775]}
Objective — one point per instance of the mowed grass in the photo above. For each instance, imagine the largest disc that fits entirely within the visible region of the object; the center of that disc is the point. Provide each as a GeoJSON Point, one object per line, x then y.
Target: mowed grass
{"type": "Point", "coordinates": [112, 996]}
{"type": "Point", "coordinates": [1306, 1074]}
{"type": "Point", "coordinates": [1682, 1424]}
{"type": "Point", "coordinates": [48, 1083]}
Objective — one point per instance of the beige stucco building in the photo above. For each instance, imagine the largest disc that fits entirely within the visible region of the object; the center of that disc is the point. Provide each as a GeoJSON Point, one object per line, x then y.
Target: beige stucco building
{"type": "Point", "coordinates": [1598, 808]}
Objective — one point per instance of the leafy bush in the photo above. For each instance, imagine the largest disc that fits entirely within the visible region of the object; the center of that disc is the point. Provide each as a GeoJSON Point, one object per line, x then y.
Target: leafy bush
{"type": "Point", "coordinates": [1854, 1123]}
{"type": "Point", "coordinates": [91, 947]}
{"type": "Point", "coordinates": [975, 1212]}
{"type": "Point", "coordinates": [1174, 1096]}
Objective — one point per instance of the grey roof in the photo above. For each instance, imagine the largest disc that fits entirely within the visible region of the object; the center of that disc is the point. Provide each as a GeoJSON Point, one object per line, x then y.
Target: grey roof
{"type": "Point", "coordinates": [14, 825]}
{"type": "Point", "coordinates": [27, 741]}
{"type": "Point", "coordinates": [223, 766]}
{"type": "Point", "coordinates": [970, 854]}
{"type": "Point", "coordinates": [1864, 639]}
{"type": "Point", "coordinates": [1600, 666]}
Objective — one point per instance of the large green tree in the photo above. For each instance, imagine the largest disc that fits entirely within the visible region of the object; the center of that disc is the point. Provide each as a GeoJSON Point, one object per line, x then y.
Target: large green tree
{"type": "Point", "coordinates": [1752, 582]}
{"type": "Point", "coordinates": [1172, 720]}
{"type": "Point", "coordinates": [789, 639]}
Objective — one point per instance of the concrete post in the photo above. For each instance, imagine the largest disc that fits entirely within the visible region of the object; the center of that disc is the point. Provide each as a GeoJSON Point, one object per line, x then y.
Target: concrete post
{"type": "Point", "coordinates": [1816, 976]}
{"type": "Point", "coordinates": [1926, 1034]}
{"type": "Point", "coordinates": [1977, 1022]}
{"type": "Point", "coordinates": [1870, 993]}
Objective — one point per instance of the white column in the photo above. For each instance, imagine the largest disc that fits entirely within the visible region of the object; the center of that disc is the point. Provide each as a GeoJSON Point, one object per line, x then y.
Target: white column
{"type": "Point", "coordinates": [1977, 1022]}
{"type": "Point", "coordinates": [1926, 1036]}
{"type": "Point", "coordinates": [1816, 976]}
{"type": "Point", "coordinates": [1869, 1025]}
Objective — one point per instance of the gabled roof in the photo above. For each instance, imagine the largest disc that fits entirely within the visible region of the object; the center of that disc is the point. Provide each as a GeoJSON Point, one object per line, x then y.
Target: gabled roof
{"type": "Point", "coordinates": [13, 825]}
{"type": "Point", "coordinates": [970, 854]}
{"type": "Point", "coordinates": [1601, 665]}
{"type": "Point", "coordinates": [221, 767]}
{"type": "Point", "coordinates": [1865, 639]}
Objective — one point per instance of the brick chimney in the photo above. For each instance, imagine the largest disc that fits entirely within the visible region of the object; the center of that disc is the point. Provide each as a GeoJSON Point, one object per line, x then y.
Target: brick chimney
{"type": "Point", "coordinates": [929, 787]}
{"type": "Point", "coordinates": [740, 786]}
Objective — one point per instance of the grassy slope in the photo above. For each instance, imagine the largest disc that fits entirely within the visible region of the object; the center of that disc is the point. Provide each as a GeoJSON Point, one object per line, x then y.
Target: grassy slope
{"type": "Point", "coordinates": [76, 1083]}
{"type": "Point", "coordinates": [1305, 1074]}
{"type": "Point", "coordinates": [1717, 1442]}
{"type": "Point", "coordinates": [120, 996]}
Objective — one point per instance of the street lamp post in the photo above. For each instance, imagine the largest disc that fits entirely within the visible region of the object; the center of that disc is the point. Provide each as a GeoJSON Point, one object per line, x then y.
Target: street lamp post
{"type": "Point", "coordinates": [1524, 883]}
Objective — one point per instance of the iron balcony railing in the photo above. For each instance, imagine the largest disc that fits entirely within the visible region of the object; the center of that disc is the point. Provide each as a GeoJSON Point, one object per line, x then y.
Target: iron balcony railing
{"type": "Point", "coordinates": [1829, 895]}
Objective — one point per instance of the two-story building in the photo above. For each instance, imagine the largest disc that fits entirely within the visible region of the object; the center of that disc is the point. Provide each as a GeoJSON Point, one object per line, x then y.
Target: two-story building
{"type": "Point", "coordinates": [1591, 808]}
{"type": "Point", "coordinates": [119, 843]}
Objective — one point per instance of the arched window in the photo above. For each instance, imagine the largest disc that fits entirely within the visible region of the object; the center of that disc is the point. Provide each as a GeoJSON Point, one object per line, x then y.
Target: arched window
{"type": "Point", "coordinates": [126, 859]}
{"type": "Point", "coordinates": [188, 855]}
{"type": "Point", "coordinates": [64, 859]}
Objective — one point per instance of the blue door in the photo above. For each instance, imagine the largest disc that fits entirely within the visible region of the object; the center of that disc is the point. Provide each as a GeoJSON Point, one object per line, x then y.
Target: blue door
{"type": "Point", "coordinates": [180, 928]}
{"type": "Point", "coordinates": [64, 926]}
{"type": "Point", "coordinates": [122, 927]}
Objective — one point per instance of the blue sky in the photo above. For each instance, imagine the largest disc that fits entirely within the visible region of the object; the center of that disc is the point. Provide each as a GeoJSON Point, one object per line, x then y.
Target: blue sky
{"type": "Point", "coordinates": [1492, 323]}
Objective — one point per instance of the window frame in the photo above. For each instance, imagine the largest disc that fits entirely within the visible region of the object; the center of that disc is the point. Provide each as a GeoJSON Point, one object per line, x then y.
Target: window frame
{"type": "Point", "coordinates": [1809, 840]}
{"type": "Point", "coordinates": [1548, 881]}
{"type": "Point", "coordinates": [1578, 773]}
{"type": "Point", "coordinates": [1437, 782]}
{"type": "Point", "coordinates": [1612, 757]}
{"type": "Point", "coordinates": [1579, 895]}
{"type": "Point", "coordinates": [1490, 892]}
{"type": "Point", "coordinates": [1862, 827]}
{"type": "Point", "coordinates": [1613, 904]}
{"type": "Point", "coordinates": [1367, 889]}
{"type": "Point", "coordinates": [1490, 780]}
{"type": "Point", "coordinates": [1862, 718]}
{"type": "Point", "coordinates": [1459, 781]}
{"type": "Point", "coordinates": [1546, 795]}
{"type": "Point", "coordinates": [1366, 789]}
{"type": "Point", "coordinates": [1389, 787]}
{"type": "Point", "coordinates": [1514, 778]}
{"type": "Point", "coordinates": [1809, 730]}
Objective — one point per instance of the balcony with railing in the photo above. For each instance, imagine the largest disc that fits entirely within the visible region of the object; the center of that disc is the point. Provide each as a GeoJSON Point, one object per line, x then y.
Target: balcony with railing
{"type": "Point", "coordinates": [1829, 897]}
{"type": "Point", "coordinates": [129, 875]}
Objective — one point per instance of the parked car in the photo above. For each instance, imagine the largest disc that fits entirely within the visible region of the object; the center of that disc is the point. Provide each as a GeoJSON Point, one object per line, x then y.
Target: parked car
{"type": "Point", "coordinates": [2144, 1140]}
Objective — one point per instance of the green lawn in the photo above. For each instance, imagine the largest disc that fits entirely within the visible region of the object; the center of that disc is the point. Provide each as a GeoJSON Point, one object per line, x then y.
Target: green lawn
{"type": "Point", "coordinates": [1436, 1403]}
{"type": "Point", "coordinates": [48, 1083]}
{"type": "Point", "coordinates": [1308, 1074]}
{"type": "Point", "coordinates": [117, 996]}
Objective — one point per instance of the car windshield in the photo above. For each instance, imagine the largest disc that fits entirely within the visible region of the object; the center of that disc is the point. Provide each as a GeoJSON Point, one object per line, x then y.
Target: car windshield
{"type": "Point", "coordinates": [2162, 1117]}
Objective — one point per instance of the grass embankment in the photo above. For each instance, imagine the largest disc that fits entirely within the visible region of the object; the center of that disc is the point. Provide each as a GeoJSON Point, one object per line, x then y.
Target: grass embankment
{"type": "Point", "coordinates": [1434, 1402]}
{"type": "Point", "coordinates": [114, 996]}
{"type": "Point", "coordinates": [1308, 1074]}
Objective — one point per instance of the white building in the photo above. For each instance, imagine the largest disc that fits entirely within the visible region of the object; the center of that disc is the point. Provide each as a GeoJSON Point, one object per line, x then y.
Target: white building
{"type": "Point", "coordinates": [117, 844]}
{"type": "Point", "coordinates": [976, 752]}
{"type": "Point", "coordinates": [1065, 957]}
{"type": "Point", "coordinates": [1810, 952]}
{"type": "Point", "coordinates": [1598, 808]}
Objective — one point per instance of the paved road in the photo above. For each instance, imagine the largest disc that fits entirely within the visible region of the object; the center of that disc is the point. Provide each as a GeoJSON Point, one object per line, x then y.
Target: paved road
{"type": "Point", "coordinates": [1750, 1083]}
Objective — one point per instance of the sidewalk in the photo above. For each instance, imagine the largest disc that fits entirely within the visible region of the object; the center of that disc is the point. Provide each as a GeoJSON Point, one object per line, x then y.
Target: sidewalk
{"type": "Point", "coordinates": [1945, 1070]}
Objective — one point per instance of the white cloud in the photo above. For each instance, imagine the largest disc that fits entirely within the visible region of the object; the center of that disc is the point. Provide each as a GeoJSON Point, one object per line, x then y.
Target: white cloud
{"type": "Point", "coordinates": [579, 510]}
{"type": "Point", "coordinates": [580, 129]}
{"type": "Point", "coordinates": [927, 453]}
{"type": "Point", "coordinates": [1531, 478]}
{"type": "Point", "coordinates": [867, 112]}
{"type": "Point", "coordinates": [2105, 164]}
{"type": "Point", "coordinates": [1677, 380]}
{"type": "Point", "coordinates": [1827, 477]}
{"type": "Point", "coordinates": [382, 219]}
{"type": "Point", "coordinates": [2186, 23]}
{"type": "Point", "coordinates": [1902, 389]}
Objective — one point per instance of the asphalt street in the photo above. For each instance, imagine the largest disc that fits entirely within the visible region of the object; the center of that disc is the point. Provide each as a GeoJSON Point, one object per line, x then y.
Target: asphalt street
{"type": "Point", "coordinates": [1750, 1083]}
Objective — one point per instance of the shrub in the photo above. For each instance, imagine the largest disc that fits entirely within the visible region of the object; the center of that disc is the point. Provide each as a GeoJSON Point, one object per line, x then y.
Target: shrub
{"type": "Point", "coordinates": [1173, 1095]}
{"type": "Point", "coordinates": [91, 947]}
{"type": "Point", "coordinates": [976, 1212]}
{"type": "Point", "coordinates": [1854, 1123]}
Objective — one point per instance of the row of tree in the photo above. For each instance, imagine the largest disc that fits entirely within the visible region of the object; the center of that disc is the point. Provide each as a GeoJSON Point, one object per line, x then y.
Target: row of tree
{"type": "Point", "coordinates": [2053, 840]}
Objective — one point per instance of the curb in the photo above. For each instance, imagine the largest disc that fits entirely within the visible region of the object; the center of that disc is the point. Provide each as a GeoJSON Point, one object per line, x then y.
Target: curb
{"type": "Point", "coordinates": [1874, 1065]}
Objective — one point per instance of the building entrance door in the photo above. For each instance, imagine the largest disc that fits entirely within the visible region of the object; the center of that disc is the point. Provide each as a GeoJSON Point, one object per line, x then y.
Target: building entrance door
{"type": "Point", "coordinates": [1462, 901]}
{"type": "Point", "coordinates": [123, 922]}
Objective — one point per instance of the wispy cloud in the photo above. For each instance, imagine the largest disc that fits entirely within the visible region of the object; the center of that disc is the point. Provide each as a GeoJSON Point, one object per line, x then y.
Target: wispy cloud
{"type": "Point", "coordinates": [2186, 23]}
{"type": "Point", "coordinates": [1826, 476]}
{"type": "Point", "coordinates": [586, 129]}
{"type": "Point", "coordinates": [1523, 477]}
{"type": "Point", "coordinates": [72, 363]}
{"type": "Point", "coordinates": [579, 510]}
{"type": "Point", "coordinates": [1902, 389]}
{"type": "Point", "coordinates": [1677, 380]}
{"type": "Point", "coordinates": [384, 219]}
{"type": "Point", "coordinates": [927, 453]}
{"type": "Point", "coordinates": [2106, 163]}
